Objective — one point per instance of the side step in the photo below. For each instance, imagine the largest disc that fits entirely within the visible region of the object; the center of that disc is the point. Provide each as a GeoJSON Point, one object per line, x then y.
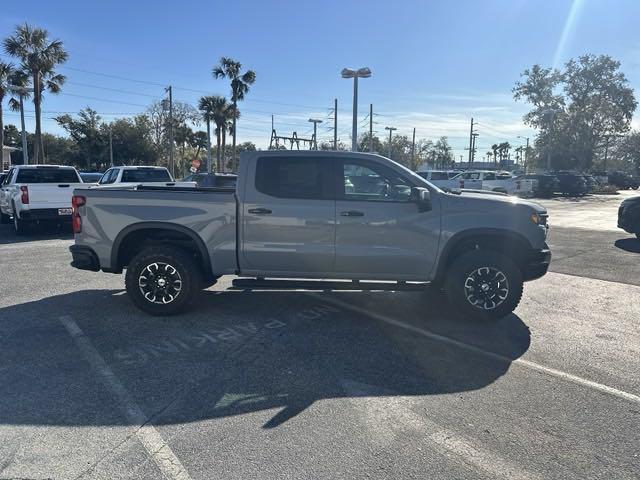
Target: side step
{"type": "Point", "coordinates": [322, 285]}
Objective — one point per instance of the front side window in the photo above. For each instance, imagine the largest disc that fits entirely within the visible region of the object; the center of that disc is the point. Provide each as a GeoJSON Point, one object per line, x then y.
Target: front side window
{"type": "Point", "coordinates": [368, 182]}
{"type": "Point", "coordinates": [489, 176]}
{"type": "Point", "coordinates": [294, 177]}
{"type": "Point", "coordinates": [109, 176]}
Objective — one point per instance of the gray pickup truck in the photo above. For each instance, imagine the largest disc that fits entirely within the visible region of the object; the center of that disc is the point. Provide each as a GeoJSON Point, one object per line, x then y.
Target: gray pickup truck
{"type": "Point", "coordinates": [313, 215]}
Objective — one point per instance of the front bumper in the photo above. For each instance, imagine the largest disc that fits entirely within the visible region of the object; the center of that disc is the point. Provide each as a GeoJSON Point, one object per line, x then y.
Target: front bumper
{"type": "Point", "coordinates": [629, 219]}
{"type": "Point", "coordinates": [84, 258]}
{"type": "Point", "coordinates": [537, 265]}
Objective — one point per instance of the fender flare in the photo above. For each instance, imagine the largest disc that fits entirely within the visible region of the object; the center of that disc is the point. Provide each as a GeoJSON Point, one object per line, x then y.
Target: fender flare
{"type": "Point", "coordinates": [202, 249]}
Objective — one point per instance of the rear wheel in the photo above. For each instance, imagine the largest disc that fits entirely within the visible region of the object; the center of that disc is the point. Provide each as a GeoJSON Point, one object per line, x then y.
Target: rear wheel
{"type": "Point", "coordinates": [484, 284]}
{"type": "Point", "coordinates": [19, 225]}
{"type": "Point", "coordinates": [163, 280]}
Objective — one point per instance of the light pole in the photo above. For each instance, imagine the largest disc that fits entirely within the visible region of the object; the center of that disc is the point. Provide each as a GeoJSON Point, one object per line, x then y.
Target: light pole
{"type": "Point", "coordinates": [391, 129]}
{"type": "Point", "coordinates": [169, 90]}
{"type": "Point", "coordinates": [364, 72]}
{"type": "Point", "coordinates": [315, 132]}
{"type": "Point", "coordinates": [526, 152]}
{"type": "Point", "coordinates": [22, 91]}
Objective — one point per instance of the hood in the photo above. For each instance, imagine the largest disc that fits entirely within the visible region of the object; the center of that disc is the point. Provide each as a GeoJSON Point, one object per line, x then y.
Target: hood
{"type": "Point", "coordinates": [490, 199]}
{"type": "Point", "coordinates": [631, 201]}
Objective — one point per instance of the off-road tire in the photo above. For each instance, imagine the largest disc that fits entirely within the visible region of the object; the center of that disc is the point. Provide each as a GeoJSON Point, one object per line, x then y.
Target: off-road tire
{"type": "Point", "coordinates": [188, 275]}
{"type": "Point", "coordinates": [463, 274]}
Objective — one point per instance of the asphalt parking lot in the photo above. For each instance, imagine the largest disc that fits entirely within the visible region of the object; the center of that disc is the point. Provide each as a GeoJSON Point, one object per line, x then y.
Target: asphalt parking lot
{"type": "Point", "coordinates": [324, 384]}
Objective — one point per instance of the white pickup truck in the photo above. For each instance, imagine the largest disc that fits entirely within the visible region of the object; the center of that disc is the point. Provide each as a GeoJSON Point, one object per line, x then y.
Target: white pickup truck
{"type": "Point", "coordinates": [129, 176]}
{"type": "Point", "coordinates": [447, 180]}
{"type": "Point", "coordinates": [37, 193]}
{"type": "Point", "coordinates": [500, 181]}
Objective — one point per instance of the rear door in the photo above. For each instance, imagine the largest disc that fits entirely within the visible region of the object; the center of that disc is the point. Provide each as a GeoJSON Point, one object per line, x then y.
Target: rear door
{"type": "Point", "coordinates": [380, 231]}
{"type": "Point", "coordinates": [288, 217]}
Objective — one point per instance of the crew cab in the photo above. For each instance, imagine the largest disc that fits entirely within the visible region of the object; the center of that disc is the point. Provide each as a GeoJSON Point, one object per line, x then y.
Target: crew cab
{"type": "Point", "coordinates": [445, 179]}
{"type": "Point", "coordinates": [350, 217]}
{"type": "Point", "coordinates": [500, 181]}
{"type": "Point", "coordinates": [130, 175]}
{"type": "Point", "coordinates": [37, 193]}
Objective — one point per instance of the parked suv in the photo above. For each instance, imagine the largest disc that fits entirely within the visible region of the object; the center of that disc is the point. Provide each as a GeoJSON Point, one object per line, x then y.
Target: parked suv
{"type": "Point", "coordinates": [629, 216]}
{"type": "Point", "coordinates": [571, 184]}
{"type": "Point", "coordinates": [547, 184]}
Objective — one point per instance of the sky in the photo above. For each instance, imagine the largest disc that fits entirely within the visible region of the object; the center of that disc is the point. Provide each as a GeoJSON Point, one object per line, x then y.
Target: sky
{"type": "Point", "coordinates": [435, 64]}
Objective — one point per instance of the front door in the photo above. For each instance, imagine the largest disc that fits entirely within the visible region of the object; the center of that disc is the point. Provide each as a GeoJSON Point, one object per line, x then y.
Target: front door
{"type": "Point", "coordinates": [381, 233]}
{"type": "Point", "coordinates": [289, 217]}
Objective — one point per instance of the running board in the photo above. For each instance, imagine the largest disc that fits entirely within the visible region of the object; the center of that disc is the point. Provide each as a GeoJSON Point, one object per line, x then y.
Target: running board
{"type": "Point", "coordinates": [277, 284]}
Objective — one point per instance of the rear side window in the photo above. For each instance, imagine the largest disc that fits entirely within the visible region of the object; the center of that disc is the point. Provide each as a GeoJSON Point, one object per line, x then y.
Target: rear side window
{"type": "Point", "coordinates": [151, 175]}
{"type": "Point", "coordinates": [294, 177]}
{"type": "Point", "coordinates": [47, 175]}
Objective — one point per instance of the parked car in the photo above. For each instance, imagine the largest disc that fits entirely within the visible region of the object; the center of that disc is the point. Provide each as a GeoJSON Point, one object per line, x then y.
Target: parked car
{"type": "Point", "coordinates": [3, 175]}
{"type": "Point", "coordinates": [444, 179]}
{"type": "Point", "coordinates": [546, 184]}
{"type": "Point", "coordinates": [571, 184]}
{"type": "Point", "coordinates": [629, 216]}
{"type": "Point", "coordinates": [213, 179]}
{"type": "Point", "coordinates": [37, 193]}
{"type": "Point", "coordinates": [623, 180]}
{"type": "Point", "coordinates": [128, 176]}
{"type": "Point", "coordinates": [91, 177]}
{"type": "Point", "coordinates": [287, 219]}
{"type": "Point", "coordinates": [500, 181]}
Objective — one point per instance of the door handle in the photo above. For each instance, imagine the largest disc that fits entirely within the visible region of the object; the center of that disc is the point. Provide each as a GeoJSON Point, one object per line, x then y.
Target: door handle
{"type": "Point", "coordinates": [260, 211]}
{"type": "Point", "coordinates": [352, 213]}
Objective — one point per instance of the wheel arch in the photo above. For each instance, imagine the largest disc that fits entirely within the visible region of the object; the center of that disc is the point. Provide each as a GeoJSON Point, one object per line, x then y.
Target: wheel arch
{"type": "Point", "coordinates": [125, 245]}
{"type": "Point", "coordinates": [509, 243]}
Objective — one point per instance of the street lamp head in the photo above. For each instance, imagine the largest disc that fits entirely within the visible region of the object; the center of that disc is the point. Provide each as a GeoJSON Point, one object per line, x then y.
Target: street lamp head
{"type": "Point", "coordinates": [364, 72]}
{"type": "Point", "coordinates": [314, 120]}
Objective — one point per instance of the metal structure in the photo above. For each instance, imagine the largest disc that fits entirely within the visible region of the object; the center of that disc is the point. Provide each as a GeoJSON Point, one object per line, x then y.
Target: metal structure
{"type": "Point", "coordinates": [315, 122]}
{"type": "Point", "coordinates": [275, 141]}
{"type": "Point", "coordinates": [364, 72]}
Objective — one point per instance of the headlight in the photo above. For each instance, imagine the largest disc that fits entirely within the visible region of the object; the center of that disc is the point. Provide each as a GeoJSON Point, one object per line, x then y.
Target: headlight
{"type": "Point", "coordinates": [539, 218]}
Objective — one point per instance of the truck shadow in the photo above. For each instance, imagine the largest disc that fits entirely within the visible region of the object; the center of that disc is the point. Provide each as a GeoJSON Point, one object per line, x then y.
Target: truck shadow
{"type": "Point", "coordinates": [35, 233]}
{"type": "Point", "coordinates": [239, 353]}
{"type": "Point", "coordinates": [631, 245]}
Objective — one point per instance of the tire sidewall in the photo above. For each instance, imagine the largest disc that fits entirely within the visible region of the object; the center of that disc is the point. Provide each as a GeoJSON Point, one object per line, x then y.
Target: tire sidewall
{"type": "Point", "coordinates": [181, 261]}
{"type": "Point", "coordinates": [464, 265]}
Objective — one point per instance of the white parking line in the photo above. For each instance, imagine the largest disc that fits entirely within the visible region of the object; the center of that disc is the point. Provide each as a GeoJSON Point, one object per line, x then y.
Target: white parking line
{"type": "Point", "coordinates": [496, 356]}
{"type": "Point", "coordinates": [151, 440]}
{"type": "Point", "coordinates": [389, 417]}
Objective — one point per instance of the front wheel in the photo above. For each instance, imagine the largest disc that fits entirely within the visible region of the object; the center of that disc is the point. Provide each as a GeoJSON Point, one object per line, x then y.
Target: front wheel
{"type": "Point", "coordinates": [484, 284]}
{"type": "Point", "coordinates": [162, 280]}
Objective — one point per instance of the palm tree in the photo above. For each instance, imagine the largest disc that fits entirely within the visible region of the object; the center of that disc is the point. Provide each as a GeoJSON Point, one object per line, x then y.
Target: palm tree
{"type": "Point", "coordinates": [229, 68]}
{"type": "Point", "coordinates": [6, 74]}
{"type": "Point", "coordinates": [39, 56]}
{"type": "Point", "coordinates": [495, 147]}
{"type": "Point", "coordinates": [216, 109]}
{"type": "Point", "coordinates": [489, 155]}
{"type": "Point", "coordinates": [206, 105]}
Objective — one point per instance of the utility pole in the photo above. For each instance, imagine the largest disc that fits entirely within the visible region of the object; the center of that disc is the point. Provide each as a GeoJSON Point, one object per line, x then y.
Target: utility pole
{"type": "Point", "coordinates": [413, 148]}
{"type": "Point", "coordinates": [471, 144]}
{"type": "Point", "coordinates": [335, 124]}
{"type": "Point", "coordinates": [473, 148]}
{"type": "Point", "coordinates": [171, 165]}
{"type": "Point", "coordinates": [371, 128]}
{"type": "Point", "coordinates": [391, 129]}
{"type": "Point", "coordinates": [315, 122]}
{"type": "Point", "coordinates": [110, 146]}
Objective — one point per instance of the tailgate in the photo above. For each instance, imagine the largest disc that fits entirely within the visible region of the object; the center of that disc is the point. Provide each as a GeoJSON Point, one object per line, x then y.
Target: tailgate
{"type": "Point", "coordinates": [51, 195]}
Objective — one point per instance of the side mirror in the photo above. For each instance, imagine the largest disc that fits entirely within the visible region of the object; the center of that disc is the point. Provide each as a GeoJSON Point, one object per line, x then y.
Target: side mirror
{"type": "Point", "coordinates": [422, 197]}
